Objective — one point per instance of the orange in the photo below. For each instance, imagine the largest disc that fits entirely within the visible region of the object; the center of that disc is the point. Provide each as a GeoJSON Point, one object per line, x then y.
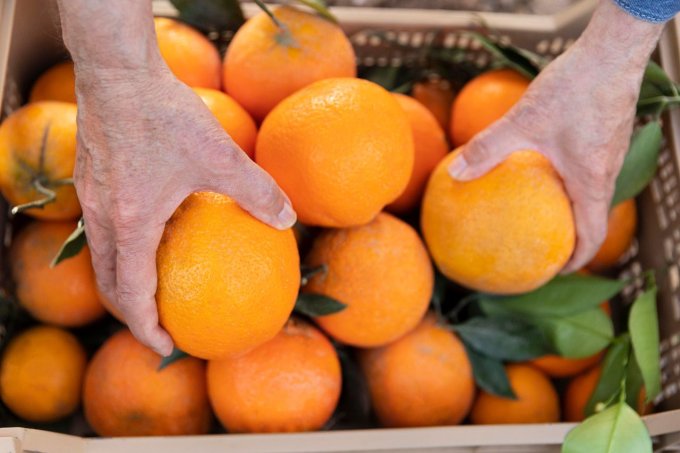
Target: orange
{"type": "Point", "coordinates": [422, 379]}
{"type": "Point", "coordinates": [437, 97]}
{"type": "Point", "coordinates": [341, 149]}
{"type": "Point", "coordinates": [125, 394]}
{"type": "Point", "coordinates": [560, 367]}
{"type": "Point", "coordinates": [56, 84]}
{"type": "Point", "coordinates": [537, 400]}
{"type": "Point", "coordinates": [381, 271]}
{"type": "Point", "coordinates": [38, 145]}
{"type": "Point", "coordinates": [65, 295]}
{"type": "Point", "coordinates": [430, 147]}
{"type": "Point", "coordinates": [233, 118]}
{"type": "Point", "coordinates": [291, 383]}
{"type": "Point", "coordinates": [226, 281]}
{"type": "Point", "coordinates": [507, 232]}
{"type": "Point", "coordinates": [262, 67]}
{"type": "Point", "coordinates": [190, 56]}
{"type": "Point", "coordinates": [483, 101]}
{"type": "Point", "coordinates": [621, 228]}
{"type": "Point", "coordinates": [41, 374]}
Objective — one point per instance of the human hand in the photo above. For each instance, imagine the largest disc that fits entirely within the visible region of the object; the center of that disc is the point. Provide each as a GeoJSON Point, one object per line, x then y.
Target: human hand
{"type": "Point", "coordinates": [145, 142]}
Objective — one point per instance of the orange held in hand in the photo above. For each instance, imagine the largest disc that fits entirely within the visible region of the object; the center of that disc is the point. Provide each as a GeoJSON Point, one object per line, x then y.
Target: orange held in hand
{"type": "Point", "coordinates": [226, 281]}
{"type": "Point", "coordinates": [483, 101]}
{"type": "Point", "coordinates": [290, 383]}
{"type": "Point", "coordinates": [621, 228]}
{"type": "Point", "coordinates": [125, 393]}
{"type": "Point", "coordinates": [381, 271]}
{"type": "Point", "coordinates": [430, 148]}
{"type": "Point", "coordinates": [190, 56]}
{"type": "Point", "coordinates": [37, 155]}
{"type": "Point", "coordinates": [507, 232]}
{"type": "Point", "coordinates": [422, 379]}
{"type": "Point", "coordinates": [65, 295]}
{"type": "Point", "coordinates": [41, 374]}
{"type": "Point", "coordinates": [265, 64]}
{"type": "Point", "coordinates": [56, 84]}
{"type": "Point", "coordinates": [341, 149]}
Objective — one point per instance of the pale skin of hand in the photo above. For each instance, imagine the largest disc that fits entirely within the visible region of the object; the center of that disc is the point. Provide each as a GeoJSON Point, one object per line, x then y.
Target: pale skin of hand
{"type": "Point", "coordinates": [579, 112]}
{"type": "Point", "coordinates": [145, 142]}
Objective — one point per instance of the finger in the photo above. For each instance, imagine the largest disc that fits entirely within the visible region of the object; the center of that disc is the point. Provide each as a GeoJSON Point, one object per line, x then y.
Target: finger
{"type": "Point", "coordinates": [136, 286]}
{"type": "Point", "coordinates": [590, 218]}
{"type": "Point", "coordinates": [100, 241]}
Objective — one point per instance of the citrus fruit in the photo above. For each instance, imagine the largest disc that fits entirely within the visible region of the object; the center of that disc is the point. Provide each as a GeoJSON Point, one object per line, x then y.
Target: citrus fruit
{"type": "Point", "coordinates": [422, 379]}
{"type": "Point", "coordinates": [483, 101]}
{"type": "Point", "coordinates": [341, 149]}
{"type": "Point", "coordinates": [621, 228]}
{"type": "Point", "coordinates": [560, 367]}
{"type": "Point", "coordinates": [64, 295]}
{"type": "Point", "coordinates": [126, 394]}
{"type": "Point", "coordinates": [507, 232]}
{"type": "Point", "coordinates": [382, 273]}
{"type": "Point", "coordinates": [263, 64]}
{"type": "Point", "coordinates": [38, 148]}
{"type": "Point", "coordinates": [233, 118]}
{"type": "Point", "coordinates": [537, 400]}
{"type": "Point", "coordinates": [226, 281]}
{"type": "Point", "coordinates": [437, 97]}
{"type": "Point", "coordinates": [430, 147]}
{"type": "Point", "coordinates": [290, 383]}
{"type": "Point", "coordinates": [41, 374]}
{"type": "Point", "coordinates": [56, 84]}
{"type": "Point", "coordinates": [190, 56]}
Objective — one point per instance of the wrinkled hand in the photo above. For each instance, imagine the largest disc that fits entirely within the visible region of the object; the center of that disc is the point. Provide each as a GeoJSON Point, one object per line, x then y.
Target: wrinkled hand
{"type": "Point", "coordinates": [146, 142]}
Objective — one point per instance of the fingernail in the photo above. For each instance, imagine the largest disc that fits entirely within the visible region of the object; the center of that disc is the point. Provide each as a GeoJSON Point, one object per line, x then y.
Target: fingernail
{"type": "Point", "coordinates": [458, 167]}
{"type": "Point", "coordinates": [287, 217]}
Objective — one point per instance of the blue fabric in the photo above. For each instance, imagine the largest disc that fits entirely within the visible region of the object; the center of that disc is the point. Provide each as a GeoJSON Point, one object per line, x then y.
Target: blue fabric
{"type": "Point", "coordinates": [656, 11]}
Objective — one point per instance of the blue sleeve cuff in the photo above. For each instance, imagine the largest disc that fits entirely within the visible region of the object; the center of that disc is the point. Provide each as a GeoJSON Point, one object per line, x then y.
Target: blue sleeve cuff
{"type": "Point", "coordinates": [656, 11]}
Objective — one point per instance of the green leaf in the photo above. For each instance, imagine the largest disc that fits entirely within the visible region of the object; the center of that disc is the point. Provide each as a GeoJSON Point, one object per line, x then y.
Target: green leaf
{"type": "Point", "coordinates": [579, 335]}
{"type": "Point", "coordinates": [315, 305]}
{"type": "Point", "coordinates": [211, 15]}
{"type": "Point", "coordinates": [563, 295]}
{"type": "Point", "coordinates": [634, 382]}
{"type": "Point", "coordinates": [643, 325]}
{"type": "Point", "coordinates": [639, 166]}
{"type": "Point", "coordinates": [73, 245]}
{"type": "Point", "coordinates": [175, 355]}
{"type": "Point", "coordinates": [521, 60]}
{"type": "Point", "coordinates": [614, 366]}
{"type": "Point", "coordinates": [490, 374]}
{"type": "Point", "coordinates": [504, 338]}
{"type": "Point", "coordinates": [321, 8]}
{"type": "Point", "coordinates": [656, 76]}
{"type": "Point", "coordinates": [618, 429]}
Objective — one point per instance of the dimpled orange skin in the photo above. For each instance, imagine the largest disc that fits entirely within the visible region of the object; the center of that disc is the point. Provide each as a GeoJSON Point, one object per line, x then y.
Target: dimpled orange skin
{"type": "Point", "coordinates": [226, 281]}
{"type": "Point", "coordinates": [190, 56]}
{"type": "Point", "coordinates": [56, 84]}
{"type": "Point", "coordinates": [381, 271]}
{"type": "Point", "coordinates": [621, 228]}
{"type": "Point", "coordinates": [422, 379]}
{"type": "Point", "coordinates": [561, 367]}
{"type": "Point", "coordinates": [507, 232]}
{"type": "Point", "coordinates": [578, 393]}
{"type": "Point", "coordinates": [430, 147]}
{"type": "Point", "coordinates": [21, 140]}
{"type": "Point", "coordinates": [291, 383]}
{"type": "Point", "coordinates": [483, 101]}
{"type": "Point", "coordinates": [341, 149]}
{"type": "Point", "coordinates": [41, 374]}
{"type": "Point", "coordinates": [260, 70]}
{"type": "Point", "coordinates": [64, 295]}
{"type": "Point", "coordinates": [232, 117]}
{"type": "Point", "coordinates": [537, 400]}
{"type": "Point", "coordinates": [125, 394]}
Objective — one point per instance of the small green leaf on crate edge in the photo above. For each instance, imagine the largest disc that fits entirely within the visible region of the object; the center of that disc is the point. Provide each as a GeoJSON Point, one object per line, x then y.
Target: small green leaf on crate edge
{"type": "Point", "coordinates": [614, 367]}
{"type": "Point", "coordinates": [578, 335]}
{"type": "Point", "coordinates": [316, 305]}
{"type": "Point", "coordinates": [211, 15]}
{"type": "Point", "coordinates": [175, 355]}
{"type": "Point", "coordinates": [72, 246]}
{"type": "Point", "coordinates": [490, 374]}
{"type": "Point", "coordinates": [640, 164]}
{"type": "Point", "coordinates": [618, 429]}
{"type": "Point", "coordinates": [503, 338]}
{"type": "Point", "coordinates": [518, 59]}
{"type": "Point", "coordinates": [321, 9]}
{"type": "Point", "coordinates": [643, 325]}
